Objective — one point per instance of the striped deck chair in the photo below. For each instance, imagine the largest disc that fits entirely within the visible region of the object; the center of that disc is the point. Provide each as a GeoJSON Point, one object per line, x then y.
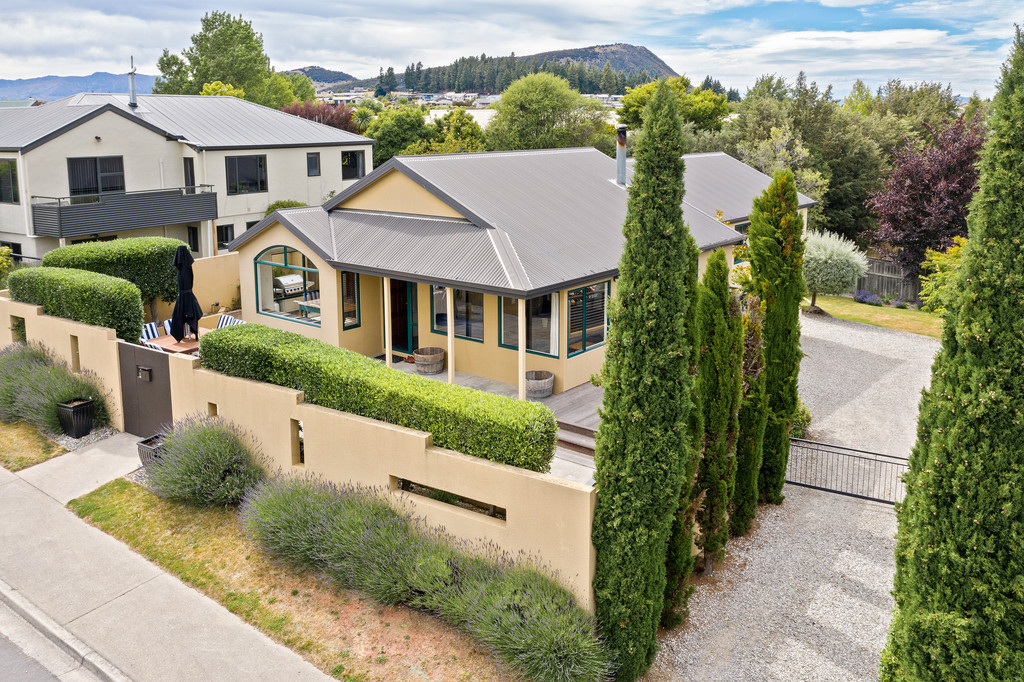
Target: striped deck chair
{"type": "Point", "coordinates": [149, 331]}
{"type": "Point", "coordinates": [228, 321]}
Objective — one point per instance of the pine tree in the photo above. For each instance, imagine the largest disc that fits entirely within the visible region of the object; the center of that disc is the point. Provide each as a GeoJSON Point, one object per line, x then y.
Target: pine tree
{"type": "Point", "coordinates": [776, 270]}
{"type": "Point", "coordinates": [608, 83]}
{"type": "Point", "coordinates": [641, 443]}
{"type": "Point", "coordinates": [752, 419]}
{"type": "Point", "coordinates": [959, 561]}
{"type": "Point", "coordinates": [718, 392]}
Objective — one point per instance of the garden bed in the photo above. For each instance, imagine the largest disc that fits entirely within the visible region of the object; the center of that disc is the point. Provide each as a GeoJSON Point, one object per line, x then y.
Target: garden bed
{"type": "Point", "coordinates": [345, 634]}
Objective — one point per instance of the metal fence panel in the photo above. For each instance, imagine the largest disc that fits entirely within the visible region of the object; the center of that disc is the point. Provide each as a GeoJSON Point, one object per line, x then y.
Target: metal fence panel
{"type": "Point", "coordinates": [847, 471]}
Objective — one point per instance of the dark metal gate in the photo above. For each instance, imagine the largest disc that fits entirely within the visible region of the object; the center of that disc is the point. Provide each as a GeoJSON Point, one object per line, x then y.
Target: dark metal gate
{"type": "Point", "coordinates": [847, 471]}
{"type": "Point", "coordinates": [145, 389]}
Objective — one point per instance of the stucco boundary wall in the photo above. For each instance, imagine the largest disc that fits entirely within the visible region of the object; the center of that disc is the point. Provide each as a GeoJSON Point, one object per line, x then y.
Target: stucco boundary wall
{"type": "Point", "coordinates": [82, 346]}
{"type": "Point", "coordinates": [546, 517]}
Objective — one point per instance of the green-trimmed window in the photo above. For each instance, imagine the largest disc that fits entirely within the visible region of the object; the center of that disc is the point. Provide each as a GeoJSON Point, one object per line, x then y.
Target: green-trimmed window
{"type": "Point", "coordinates": [469, 313]}
{"type": "Point", "coordinates": [350, 300]}
{"type": "Point", "coordinates": [588, 317]}
{"type": "Point", "coordinates": [287, 285]}
{"type": "Point", "coordinates": [541, 324]}
{"type": "Point", "coordinates": [9, 181]}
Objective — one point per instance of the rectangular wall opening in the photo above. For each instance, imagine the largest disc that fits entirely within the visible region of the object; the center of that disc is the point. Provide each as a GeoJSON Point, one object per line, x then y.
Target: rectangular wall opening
{"type": "Point", "coordinates": [18, 329]}
{"type": "Point", "coordinates": [298, 447]}
{"type": "Point", "coordinates": [76, 361]}
{"type": "Point", "coordinates": [439, 495]}
{"type": "Point", "coordinates": [211, 409]}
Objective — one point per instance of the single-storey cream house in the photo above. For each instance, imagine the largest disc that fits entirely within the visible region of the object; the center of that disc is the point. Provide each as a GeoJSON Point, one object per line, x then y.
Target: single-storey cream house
{"type": "Point", "coordinates": [505, 259]}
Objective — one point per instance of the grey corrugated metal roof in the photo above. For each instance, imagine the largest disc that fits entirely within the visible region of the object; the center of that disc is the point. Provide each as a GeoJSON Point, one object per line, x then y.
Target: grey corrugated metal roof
{"type": "Point", "coordinates": [718, 182]}
{"type": "Point", "coordinates": [418, 248]}
{"type": "Point", "coordinates": [202, 121]}
{"type": "Point", "coordinates": [536, 221]}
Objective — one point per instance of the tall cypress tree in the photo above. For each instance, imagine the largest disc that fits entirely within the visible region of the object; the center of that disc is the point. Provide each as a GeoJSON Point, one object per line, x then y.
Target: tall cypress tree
{"type": "Point", "coordinates": [718, 392]}
{"type": "Point", "coordinates": [752, 420]}
{"type": "Point", "coordinates": [776, 270]}
{"type": "Point", "coordinates": [679, 558]}
{"type": "Point", "coordinates": [959, 556]}
{"type": "Point", "coordinates": [641, 443]}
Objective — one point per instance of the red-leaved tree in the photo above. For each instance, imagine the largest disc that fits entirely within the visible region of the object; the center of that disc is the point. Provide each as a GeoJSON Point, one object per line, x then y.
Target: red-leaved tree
{"type": "Point", "coordinates": [924, 202]}
{"type": "Point", "coordinates": [334, 115]}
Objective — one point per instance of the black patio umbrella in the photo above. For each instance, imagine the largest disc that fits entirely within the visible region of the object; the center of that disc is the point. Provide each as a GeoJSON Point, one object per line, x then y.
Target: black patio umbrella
{"type": "Point", "coordinates": [186, 307]}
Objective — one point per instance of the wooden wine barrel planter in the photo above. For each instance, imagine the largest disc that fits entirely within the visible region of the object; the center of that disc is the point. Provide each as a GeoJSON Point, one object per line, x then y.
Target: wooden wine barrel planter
{"type": "Point", "coordinates": [539, 384]}
{"type": "Point", "coordinates": [429, 360]}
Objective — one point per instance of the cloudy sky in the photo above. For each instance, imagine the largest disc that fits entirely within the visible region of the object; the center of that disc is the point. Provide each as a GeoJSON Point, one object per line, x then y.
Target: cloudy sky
{"type": "Point", "coordinates": [961, 42]}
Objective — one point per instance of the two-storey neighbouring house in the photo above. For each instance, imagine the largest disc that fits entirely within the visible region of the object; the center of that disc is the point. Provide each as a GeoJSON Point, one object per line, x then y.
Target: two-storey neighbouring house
{"type": "Point", "coordinates": [198, 168]}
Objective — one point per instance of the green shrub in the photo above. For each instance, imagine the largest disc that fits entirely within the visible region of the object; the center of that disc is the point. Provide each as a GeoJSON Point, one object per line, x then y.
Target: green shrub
{"type": "Point", "coordinates": [472, 422]}
{"type": "Point", "coordinates": [358, 539]}
{"type": "Point", "coordinates": [146, 262]}
{"type": "Point", "coordinates": [83, 296]}
{"type": "Point", "coordinates": [283, 203]}
{"type": "Point", "coordinates": [6, 263]}
{"type": "Point", "coordinates": [801, 420]}
{"type": "Point", "coordinates": [32, 383]}
{"type": "Point", "coordinates": [204, 461]}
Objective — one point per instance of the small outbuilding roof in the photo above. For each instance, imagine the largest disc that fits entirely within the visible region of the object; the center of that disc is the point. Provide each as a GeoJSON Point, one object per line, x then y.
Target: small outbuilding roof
{"type": "Point", "coordinates": [533, 222]}
{"type": "Point", "coordinates": [202, 122]}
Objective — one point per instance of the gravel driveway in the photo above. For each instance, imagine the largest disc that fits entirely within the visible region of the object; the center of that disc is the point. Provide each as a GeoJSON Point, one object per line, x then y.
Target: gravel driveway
{"type": "Point", "coordinates": [805, 596]}
{"type": "Point", "coordinates": [863, 383]}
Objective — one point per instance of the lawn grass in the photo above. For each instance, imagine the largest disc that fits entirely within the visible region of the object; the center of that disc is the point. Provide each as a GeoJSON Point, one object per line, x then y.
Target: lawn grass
{"type": "Point", "coordinates": [900, 319]}
{"type": "Point", "coordinates": [23, 445]}
{"type": "Point", "coordinates": [345, 634]}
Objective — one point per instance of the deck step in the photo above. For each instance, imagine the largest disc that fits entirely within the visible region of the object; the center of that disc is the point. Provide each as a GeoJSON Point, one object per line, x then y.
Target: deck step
{"type": "Point", "coordinates": [576, 428]}
{"type": "Point", "coordinates": [571, 440]}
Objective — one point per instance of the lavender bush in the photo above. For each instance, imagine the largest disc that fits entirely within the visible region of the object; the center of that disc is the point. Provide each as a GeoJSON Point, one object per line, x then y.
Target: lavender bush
{"type": "Point", "coordinates": [357, 538]}
{"type": "Point", "coordinates": [32, 383]}
{"type": "Point", "coordinates": [204, 461]}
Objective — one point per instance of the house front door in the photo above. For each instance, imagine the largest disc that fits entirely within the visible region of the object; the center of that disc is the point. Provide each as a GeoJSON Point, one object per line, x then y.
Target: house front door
{"type": "Point", "coordinates": [404, 329]}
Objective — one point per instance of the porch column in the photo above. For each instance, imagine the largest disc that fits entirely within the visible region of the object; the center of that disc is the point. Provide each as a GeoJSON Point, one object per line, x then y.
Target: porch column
{"type": "Point", "coordinates": [449, 309]}
{"type": "Point", "coordinates": [522, 348]}
{"type": "Point", "coordinates": [387, 320]}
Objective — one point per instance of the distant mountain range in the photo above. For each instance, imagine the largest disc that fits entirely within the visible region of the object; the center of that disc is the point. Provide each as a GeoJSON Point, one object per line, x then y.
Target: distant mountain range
{"type": "Point", "coordinates": [55, 87]}
{"type": "Point", "coordinates": [622, 57]}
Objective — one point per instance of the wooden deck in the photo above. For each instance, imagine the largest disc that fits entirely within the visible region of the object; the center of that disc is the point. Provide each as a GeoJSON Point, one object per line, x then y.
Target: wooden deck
{"type": "Point", "coordinates": [576, 409]}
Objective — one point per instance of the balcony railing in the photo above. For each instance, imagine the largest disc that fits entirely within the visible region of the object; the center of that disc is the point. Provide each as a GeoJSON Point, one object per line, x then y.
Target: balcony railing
{"type": "Point", "coordinates": [90, 214]}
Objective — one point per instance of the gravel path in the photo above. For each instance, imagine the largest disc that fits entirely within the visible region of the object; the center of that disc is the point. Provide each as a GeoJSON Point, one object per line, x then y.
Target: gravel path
{"type": "Point", "coordinates": [863, 383]}
{"type": "Point", "coordinates": [805, 596]}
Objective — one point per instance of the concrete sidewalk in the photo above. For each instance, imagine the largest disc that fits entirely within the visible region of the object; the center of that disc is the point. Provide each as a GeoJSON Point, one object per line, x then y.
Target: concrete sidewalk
{"type": "Point", "coordinates": [105, 605]}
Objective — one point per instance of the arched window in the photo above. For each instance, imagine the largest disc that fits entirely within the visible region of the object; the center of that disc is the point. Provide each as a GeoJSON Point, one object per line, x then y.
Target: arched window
{"type": "Point", "coordinates": [287, 285]}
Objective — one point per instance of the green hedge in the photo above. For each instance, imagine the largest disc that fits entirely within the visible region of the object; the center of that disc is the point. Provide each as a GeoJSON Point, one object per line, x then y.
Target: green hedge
{"type": "Point", "coordinates": [146, 262]}
{"type": "Point", "coordinates": [472, 422]}
{"type": "Point", "coordinates": [83, 296]}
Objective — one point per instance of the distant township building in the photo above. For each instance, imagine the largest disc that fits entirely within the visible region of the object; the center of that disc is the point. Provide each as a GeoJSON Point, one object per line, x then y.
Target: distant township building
{"type": "Point", "coordinates": [198, 168]}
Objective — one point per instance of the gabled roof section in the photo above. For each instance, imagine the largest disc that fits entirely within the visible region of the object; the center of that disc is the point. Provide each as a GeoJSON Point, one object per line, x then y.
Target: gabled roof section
{"type": "Point", "coordinates": [25, 129]}
{"type": "Point", "coordinates": [534, 222]}
{"type": "Point", "coordinates": [718, 182]}
{"type": "Point", "coordinates": [203, 122]}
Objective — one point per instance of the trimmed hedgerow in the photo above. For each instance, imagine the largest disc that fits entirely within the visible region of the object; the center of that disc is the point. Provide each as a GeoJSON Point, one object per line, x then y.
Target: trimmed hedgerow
{"type": "Point", "coordinates": [354, 536]}
{"type": "Point", "coordinates": [83, 296]}
{"type": "Point", "coordinates": [32, 383]}
{"type": "Point", "coordinates": [146, 262]}
{"type": "Point", "coordinates": [472, 422]}
{"type": "Point", "coordinates": [204, 461]}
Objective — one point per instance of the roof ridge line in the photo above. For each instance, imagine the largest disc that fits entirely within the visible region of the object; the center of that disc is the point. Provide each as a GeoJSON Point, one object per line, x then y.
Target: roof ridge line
{"type": "Point", "coordinates": [505, 250]}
